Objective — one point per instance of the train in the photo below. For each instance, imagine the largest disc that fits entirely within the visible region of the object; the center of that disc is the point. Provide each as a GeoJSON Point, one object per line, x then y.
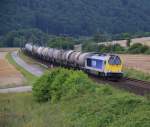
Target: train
{"type": "Point", "coordinates": [104, 65]}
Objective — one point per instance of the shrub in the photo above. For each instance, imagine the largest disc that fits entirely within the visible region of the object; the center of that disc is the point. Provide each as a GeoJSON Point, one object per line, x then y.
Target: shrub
{"type": "Point", "coordinates": [90, 47]}
{"type": "Point", "coordinates": [116, 48]}
{"type": "Point", "coordinates": [148, 51]}
{"type": "Point", "coordinates": [61, 42]}
{"type": "Point", "coordinates": [76, 83]}
{"type": "Point", "coordinates": [41, 88]}
{"type": "Point", "coordinates": [59, 83]}
{"type": "Point", "coordinates": [56, 88]}
{"type": "Point", "coordinates": [139, 48]}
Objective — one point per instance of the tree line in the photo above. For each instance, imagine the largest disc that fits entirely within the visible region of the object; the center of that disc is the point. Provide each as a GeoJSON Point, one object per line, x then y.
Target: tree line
{"type": "Point", "coordinates": [18, 38]}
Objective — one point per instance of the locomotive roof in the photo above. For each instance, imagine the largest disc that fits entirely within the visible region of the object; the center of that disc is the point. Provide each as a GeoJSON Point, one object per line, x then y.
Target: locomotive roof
{"type": "Point", "coordinates": [101, 57]}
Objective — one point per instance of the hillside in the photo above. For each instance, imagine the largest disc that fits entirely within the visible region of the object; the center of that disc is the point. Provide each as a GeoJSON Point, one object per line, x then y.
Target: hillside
{"type": "Point", "coordinates": [75, 17]}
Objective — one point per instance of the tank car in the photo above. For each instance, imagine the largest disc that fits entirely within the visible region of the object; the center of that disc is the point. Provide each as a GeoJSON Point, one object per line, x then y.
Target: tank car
{"type": "Point", "coordinates": [50, 54]}
{"type": "Point", "coordinates": [39, 51]}
{"type": "Point", "coordinates": [28, 48]}
{"type": "Point", "coordinates": [45, 53]}
{"type": "Point", "coordinates": [82, 58]}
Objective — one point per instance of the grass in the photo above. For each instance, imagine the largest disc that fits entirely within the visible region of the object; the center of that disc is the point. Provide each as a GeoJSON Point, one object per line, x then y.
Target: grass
{"type": "Point", "coordinates": [132, 73]}
{"type": "Point", "coordinates": [30, 78]}
{"type": "Point", "coordinates": [106, 109]}
{"type": "Point", "coordinates": [93, 106]}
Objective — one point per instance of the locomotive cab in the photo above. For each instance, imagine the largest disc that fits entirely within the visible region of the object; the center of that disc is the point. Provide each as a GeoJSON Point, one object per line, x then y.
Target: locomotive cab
{"type": "Point", "coordinates": [105, 65]}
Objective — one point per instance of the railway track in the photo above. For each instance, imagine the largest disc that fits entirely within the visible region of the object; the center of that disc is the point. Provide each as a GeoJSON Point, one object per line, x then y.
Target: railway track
{"type": "Point", "coordinates": [132, 85]}
{"type": "Point", "coordinates": [139, 86]}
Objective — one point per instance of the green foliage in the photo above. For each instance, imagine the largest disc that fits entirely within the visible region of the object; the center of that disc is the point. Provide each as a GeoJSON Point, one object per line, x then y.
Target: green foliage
{"type": "Point", "coordinates": [94, 47]}
{"type": "Point", "coordinates": [90, 47]}
{"type": "Point", "coordinates": [98, 37]}
{"type": "Point", "coordinates": [139, 49]}
{"type": "Point", "coordinates": [128, 42]}
{"type": "Point", "coordinates": [148, 51]}
{"type": "Point", "coordinates": [78, 17]}
{"type": "Point", "coordinates": [61, 42]}
{"type": "Point", "coordinates": [59, 83]}
{"type": "Point", "coordinates": [41, 88]}
{"type": "Point", "coordinates": [136, 48]}
{"type": "Point", "coordinates": [116, 48]}
{"type": "Point", "coordinates": [126, 35]}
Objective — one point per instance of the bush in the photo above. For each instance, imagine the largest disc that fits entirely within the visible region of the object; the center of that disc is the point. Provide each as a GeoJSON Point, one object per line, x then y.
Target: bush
{"type": "Point", "coordinates": [76, 83]}
{"type": "Point", "coordinates": [147, 52]}
{"type": "Point", "coordinates": [59, 83]}
{"type": "Point", "coordinates": [41, 88]}
{"type": "Point", "coordinates": [111, 48]}
{"type": "Point", "coordinates": [90, 47]}
{"type": "Point", "coordinates": [61, 42]}
{"type": "Point", "coordinates": [56, 88]}
{"type": "Point", "coordinates": [139, 48]}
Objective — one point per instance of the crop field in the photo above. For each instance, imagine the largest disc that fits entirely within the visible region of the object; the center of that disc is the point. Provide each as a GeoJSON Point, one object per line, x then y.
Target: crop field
{"type": "Point", "coordinates": [9, 76]}
{"type": "Point", "coordinates": [138, 62]}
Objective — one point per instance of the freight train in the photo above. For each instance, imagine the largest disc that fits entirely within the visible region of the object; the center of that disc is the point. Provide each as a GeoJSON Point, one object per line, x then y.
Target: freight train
{"type": "Point", "coordinates": [104, 65]}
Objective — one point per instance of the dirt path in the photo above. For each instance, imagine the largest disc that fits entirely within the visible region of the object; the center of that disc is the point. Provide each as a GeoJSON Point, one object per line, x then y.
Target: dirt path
{"type": "Point", "coordinates": [17, 89]}
{"type": "Point", "coordinates": [9, 76]}
{"type": "Point", "coordinates": [33, 69]}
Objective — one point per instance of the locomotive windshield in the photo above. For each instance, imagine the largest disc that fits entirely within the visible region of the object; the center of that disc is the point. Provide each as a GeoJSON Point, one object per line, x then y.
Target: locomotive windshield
{"type": "Point", "coordinates": [114, 60]}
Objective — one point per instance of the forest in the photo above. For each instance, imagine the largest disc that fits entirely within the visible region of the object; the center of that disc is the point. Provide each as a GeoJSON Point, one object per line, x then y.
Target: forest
{"type": "Point", "coordinates": [75, 17]}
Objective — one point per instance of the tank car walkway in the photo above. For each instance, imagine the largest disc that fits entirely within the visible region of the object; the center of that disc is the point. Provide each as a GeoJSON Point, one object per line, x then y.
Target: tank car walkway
{"type": "Point", "coordinates": [33, 69]}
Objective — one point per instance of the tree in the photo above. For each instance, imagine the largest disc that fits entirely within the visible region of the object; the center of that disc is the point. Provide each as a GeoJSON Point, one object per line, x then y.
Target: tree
{"type": "Point", "coordinates": [98, 37]}
{"type": "Point", "coordinates": [61, 42]}
{"type": "Point", "coordinates": [90, 47]}
{"type": "Point", "coordinates": [128, 42]}
{"type": "Point", "coordinates": [138, 48]}
{"type": "Point", "coordinates": [18, 38]}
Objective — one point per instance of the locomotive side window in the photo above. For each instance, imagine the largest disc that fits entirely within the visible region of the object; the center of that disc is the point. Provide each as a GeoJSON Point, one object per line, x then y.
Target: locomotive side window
{"type": "Point", "coordinates": [89, 62]}
{"type": "Point", "coordinates": [114, 60]}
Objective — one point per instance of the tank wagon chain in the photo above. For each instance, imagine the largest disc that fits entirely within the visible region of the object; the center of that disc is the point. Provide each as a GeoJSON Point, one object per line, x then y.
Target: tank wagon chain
{"type": "Point", "coordinates": [104, 65]}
